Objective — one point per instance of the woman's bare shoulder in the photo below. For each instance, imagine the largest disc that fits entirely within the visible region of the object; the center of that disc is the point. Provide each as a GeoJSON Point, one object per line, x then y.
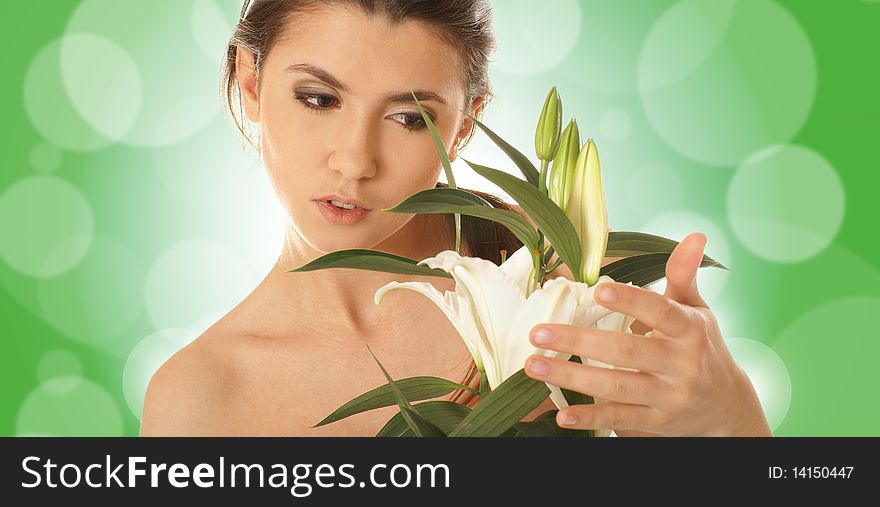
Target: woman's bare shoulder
{"type": "Point", "coordinates": [186, 391]}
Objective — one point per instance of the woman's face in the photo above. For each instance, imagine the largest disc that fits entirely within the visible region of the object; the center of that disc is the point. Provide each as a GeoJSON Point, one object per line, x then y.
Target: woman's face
{"type": "Point", "coordinates": [337, 117]}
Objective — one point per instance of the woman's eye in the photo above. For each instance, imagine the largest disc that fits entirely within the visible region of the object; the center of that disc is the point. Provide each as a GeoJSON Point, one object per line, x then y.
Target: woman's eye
{"type": "Point", "coordinates": [323, 101]}
{"type": "Point", "coordinates": [318, 103]}
{"type": "Point", "coordinates": [412, 122]}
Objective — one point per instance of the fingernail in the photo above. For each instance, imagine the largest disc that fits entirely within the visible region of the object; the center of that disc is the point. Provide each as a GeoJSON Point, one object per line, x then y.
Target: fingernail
{"type": "Point", "coordinates": [606, 294]}
{"type": "Point", "coordinates": [538, 367]}
{"type": "Point", "coordinates": [542, 336]}
{"type": "Point", "coordinates": [569, 419]}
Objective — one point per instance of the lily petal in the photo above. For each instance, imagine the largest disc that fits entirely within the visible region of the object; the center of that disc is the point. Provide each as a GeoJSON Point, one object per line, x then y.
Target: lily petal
{"type": "Point", "coordinates": [445, 260]}
{"type": "Point", "coordinates": [519, 268]}
{"type": "Point", "coordinates": [589, 312]}
{"type": "Point", "coordinates": [468, 314]}
{"type": "Point", "coordinates": [551, 303]}
{"type": "Point", "coordinates": [495, 297]}
{"type": "Point", "coordinates": [470, 275]}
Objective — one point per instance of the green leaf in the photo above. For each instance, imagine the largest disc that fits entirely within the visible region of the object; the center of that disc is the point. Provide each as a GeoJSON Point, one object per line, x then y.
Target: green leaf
{"type": "Point", "coordinates": [545, 426]}
{"type": "Point", "coordinates": [438, 143]}
{"type": "Point", "coordinates": [503, 407]}
{"type": "Point", "coordinates": [413, 389]}
{"type": "Point", "coordinates": [444, 159]}
{"type": "Point", "coordinates": [644, 269]}
{"type": "Point", "coordinates": [551, 220]}
{"type": "Point", "coordinates": [446, 415]}
{"type": "Point", "coordinates": [453, 196]}
{"type": "Point", "coordinates": [430, 201]}
{"type": "Point", "coordinates": [420, 426]}
{"type": "Point", "coordinates": [522, 162]}
{"type": "Point", "coordinates": [627, 243]}
{"type": "Point", "coordinates": [373, 260]}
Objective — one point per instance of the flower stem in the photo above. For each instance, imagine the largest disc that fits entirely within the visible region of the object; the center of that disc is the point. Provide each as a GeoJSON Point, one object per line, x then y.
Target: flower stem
{"type": "Point", "coordinates": [539, 265]}
{"type": "Point", "coordinates": [542, 180]}
{"type": "Point", "coordinates": [458, 233]}
{"type": "Point", "coordinates": [554, 266]}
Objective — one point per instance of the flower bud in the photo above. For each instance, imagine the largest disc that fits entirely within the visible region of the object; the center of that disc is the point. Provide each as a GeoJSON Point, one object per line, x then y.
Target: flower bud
{"type": "Point", "coordinates": [586, 210]}
{"type": "Point", "coordinates": [562, 170]}
{"type": "Point", "coordinates": [549, 127]}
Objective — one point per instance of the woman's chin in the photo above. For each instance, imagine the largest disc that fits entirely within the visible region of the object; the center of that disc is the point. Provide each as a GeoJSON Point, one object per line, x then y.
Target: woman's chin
{"type": "Point", "coordinates": [326, 238]}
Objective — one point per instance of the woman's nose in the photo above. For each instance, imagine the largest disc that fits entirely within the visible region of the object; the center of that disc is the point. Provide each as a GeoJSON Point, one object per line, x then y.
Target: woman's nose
{"type": "Point", "coordinates": [353, 153]}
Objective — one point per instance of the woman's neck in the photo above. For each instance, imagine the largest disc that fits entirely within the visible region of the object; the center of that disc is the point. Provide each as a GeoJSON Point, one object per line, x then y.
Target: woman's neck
{"type": "Point", "coordinates": [339, 302]}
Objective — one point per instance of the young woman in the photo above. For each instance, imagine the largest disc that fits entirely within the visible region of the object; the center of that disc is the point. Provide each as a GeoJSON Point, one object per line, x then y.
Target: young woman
{"type": "Point", "coordinates": [328, 83]}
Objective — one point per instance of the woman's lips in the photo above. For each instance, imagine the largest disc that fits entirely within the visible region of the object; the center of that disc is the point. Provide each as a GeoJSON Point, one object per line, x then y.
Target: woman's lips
{"type": "Point", "coordinates": [339, 216]}
{"type": "Point", "coordinates": [346, 200]}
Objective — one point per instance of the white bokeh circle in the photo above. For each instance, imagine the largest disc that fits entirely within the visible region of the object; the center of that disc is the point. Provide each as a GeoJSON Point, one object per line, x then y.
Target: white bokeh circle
{"type": "Point", "coordinates": [831, 352]}
{"type": "Point", "coordinates": [102, 82]}
{"type": "Point", "coordinates": [211, 28]}
{"type": "Point", "coordinates": [49, 109]}
{"type": "Point", "coordinates": [786, 203]}
{"type": "Point", "coordinates": [69, 406]}
{"type": "Point", "coordinates": [607, 52]}
{"type": "Point", "coordinates": [47, 225]}
{"type": "Point", "coordinates": [178, 81]}
{"type": "Point", "coordinates": [58, 363]}
{"type": "Point", "coordinates": [718, 79]}
{"type": "Point", "coordinates": [533, 37]}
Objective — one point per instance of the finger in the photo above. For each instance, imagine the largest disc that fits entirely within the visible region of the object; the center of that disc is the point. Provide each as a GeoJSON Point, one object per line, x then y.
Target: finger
{"type": "Point", "coordinates": [617, 416]}
{"type": "Point", "coordinates": [605, 383]}
{"type": "Point", "coordinates": [657, 311]}
{"type": "Point", "coordinates": [612, 347]}
{"type": "Point", "coordinates": [681, 270]}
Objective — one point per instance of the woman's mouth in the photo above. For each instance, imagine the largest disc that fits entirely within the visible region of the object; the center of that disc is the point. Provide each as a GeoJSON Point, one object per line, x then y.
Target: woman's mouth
{"type": "Point", "coordinates": [342, 205]}
{"type": "Point", "coordinates": [340, 213]}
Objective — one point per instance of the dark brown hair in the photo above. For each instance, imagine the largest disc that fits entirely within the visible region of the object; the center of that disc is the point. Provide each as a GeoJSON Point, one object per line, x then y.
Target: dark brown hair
{"type": "Point", "coordinates": [465, 24]}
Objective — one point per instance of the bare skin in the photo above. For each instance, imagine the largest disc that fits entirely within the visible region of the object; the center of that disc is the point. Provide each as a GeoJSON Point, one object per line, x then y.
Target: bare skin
{"type": "Point", "coordinates": [295, 349]}
{"type": "Point", "coordinates": [259, 371]}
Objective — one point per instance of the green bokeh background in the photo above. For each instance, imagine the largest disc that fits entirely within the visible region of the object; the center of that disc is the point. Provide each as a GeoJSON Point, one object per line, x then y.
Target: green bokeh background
{"type": "Point", "coordinates": [131, 217]}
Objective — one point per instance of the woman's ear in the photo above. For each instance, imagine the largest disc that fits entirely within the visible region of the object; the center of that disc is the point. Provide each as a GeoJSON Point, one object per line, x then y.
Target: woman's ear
{"type": "Point", "coordinates": [248, 85]}
{"type": "Point", "coordinates": [466, 126]}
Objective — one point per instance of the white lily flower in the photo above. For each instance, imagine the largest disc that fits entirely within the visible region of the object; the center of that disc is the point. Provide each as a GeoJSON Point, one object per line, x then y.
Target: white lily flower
{"type": "Point", "coordinates": [491, 311]}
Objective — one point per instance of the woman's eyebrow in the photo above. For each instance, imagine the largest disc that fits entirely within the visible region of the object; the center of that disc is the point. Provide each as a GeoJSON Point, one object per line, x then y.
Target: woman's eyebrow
{"type": "Point", "coordinates": [331, 80]}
